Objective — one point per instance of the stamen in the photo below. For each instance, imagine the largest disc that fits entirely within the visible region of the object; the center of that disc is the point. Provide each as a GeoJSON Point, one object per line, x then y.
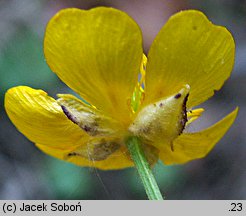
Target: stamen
{"type": "Point", "coordinates": [143, 71]}
{"type": "Point", "coordinates": [138, 94]}
{"type": "Point", "coordinates": [194, 114]}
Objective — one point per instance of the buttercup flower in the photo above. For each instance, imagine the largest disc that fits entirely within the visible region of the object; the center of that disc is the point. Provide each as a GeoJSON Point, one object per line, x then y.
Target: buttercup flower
{"type": "Point", "coordinates": [98, 53]}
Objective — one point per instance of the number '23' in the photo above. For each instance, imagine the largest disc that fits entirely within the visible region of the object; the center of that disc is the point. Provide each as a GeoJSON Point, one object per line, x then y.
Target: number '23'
{"type": "Point", "coordinates": [236, 207]}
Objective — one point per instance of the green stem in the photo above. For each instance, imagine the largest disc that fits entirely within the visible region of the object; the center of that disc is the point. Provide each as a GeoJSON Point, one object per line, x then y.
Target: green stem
{"type": "Point", "coordinates": [143, 167]}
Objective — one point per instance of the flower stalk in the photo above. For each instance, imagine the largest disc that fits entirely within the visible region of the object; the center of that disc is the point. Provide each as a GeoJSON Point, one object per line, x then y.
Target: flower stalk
{"type": "Point", "coordinates": [143, 168]}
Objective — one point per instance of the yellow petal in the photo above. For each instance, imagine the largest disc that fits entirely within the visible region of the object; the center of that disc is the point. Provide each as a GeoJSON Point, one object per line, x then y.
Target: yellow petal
{"type": "Point", "coordinates": [98, 54]}
{"type": "Point", "coordinates": [190, 146]}
{"type": "Point", "coordinates": [189, 49]}
{"type": "Point", "coordinates": [41, 119]}
{"type": "Point", "coordinates": [117, 160]}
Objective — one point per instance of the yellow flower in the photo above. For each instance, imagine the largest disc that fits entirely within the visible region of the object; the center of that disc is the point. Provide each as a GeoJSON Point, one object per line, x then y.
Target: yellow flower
{"type": "Point", "coordinates": [98, 53]}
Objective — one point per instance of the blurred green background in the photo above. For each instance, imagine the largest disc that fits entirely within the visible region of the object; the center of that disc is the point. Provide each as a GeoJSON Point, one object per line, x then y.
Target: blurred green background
{"type": "Point", "coordinates": [27, 173]}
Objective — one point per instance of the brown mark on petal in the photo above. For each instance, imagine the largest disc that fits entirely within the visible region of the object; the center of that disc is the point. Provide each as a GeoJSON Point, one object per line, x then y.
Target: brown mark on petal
{"type": "Point", "coordinates": [69, 115]}
{"type": "Point", "coordinates": [145, 129]}
{"type": "Point", "coordinates": [73, 154]}
{"type": "Point", "coordinates": [183, 119]}
{"type": "Point", "coordinates": [86, 128]}
{"type": "Point", "coordinates": [97, 151]}
{"type": "Point", "coordinates": [194, 27]}
{"type": "Point", "coordinates": [90, 126]}
{"type": "Point", "coordinates": [102, 151]}
{"type": "Point", "coordinates": [177, 96]}
{"type": "Point", "coordinates": [161, 105]}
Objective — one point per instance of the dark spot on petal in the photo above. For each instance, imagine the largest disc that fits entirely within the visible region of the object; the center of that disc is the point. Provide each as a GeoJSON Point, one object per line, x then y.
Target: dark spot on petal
{"type": "Point", "coordinates": [161, 105]}
{"type": "Point", "coordinates": [91, 128]}
{"type": "Point", "coordinates": [145, 130]}
{"type": "Point", "coordinates": [100, 151]}
{"type": "Point", "coordinates": [103, 150]}
{"type": "Point", "coordinates": [183, 119]}
{"type": "Point", "coordinates": [86, 128]}
{"type": "Point", "coordinates": [194, 27]}
{"type": "Point", "coordinates": [73, 154]}
{"type": "Point", "coordinates": [69, 115]}
{"type": "Point", "coordinates": [183, 122]}
{"type": "Point", "coordinates": [177, 96]}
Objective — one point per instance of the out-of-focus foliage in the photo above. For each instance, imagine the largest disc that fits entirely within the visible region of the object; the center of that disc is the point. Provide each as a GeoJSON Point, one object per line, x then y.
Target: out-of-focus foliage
{"type": "Point", "coordinates": [22, 63]}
